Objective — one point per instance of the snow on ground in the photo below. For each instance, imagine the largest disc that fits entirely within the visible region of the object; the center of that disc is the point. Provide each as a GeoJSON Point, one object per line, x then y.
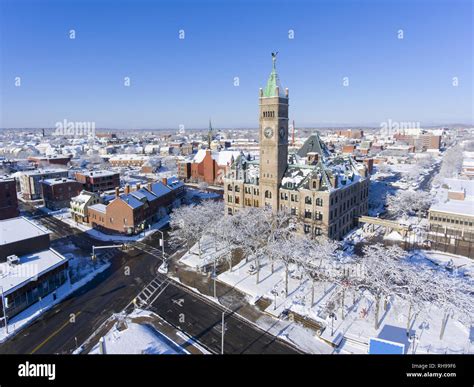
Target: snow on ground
{"type": "Point", "coordinates": [21, 320]}
{"type": "Point", "coordinates": [463, 265]}
{"type": "Point", "coordinates": [209, 253]}
{"type": "Point", "coordinates": [128, 337]}
{"type": "Point", "coordinates": [356, 328]}
{"type": "Point", "coordinates": [299, 336]}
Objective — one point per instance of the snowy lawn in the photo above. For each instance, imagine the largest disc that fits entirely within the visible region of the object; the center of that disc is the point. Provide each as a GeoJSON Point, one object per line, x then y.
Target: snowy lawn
{"type": "Point", "coordinates": [209, 252]}
{"type": "Point", "coordinates": [128, 337]}
{"type": "Point", "coordinates": [357, 326]}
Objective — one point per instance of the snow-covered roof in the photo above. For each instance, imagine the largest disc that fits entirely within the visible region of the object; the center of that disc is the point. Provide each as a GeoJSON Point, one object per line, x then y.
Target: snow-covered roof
{"type": "Point", "coordinates": [58, 181]}
{"type": "Point", "coordinates": [30, 267]}
{"type": "Point", "coordinates": [222, 158]}
{"type": "Point", "coordinates": [457, 207]}
{"type": "Point", "coordinates": [466, 186]}
{"type": "Point", "coordinates": [99, 207]}
{"type": "Point", "coordinates": [159, 189]}
{"type": "Point", "coordinates": [18, 229]}
{"type": "Point", "coordinates": [99, 173]}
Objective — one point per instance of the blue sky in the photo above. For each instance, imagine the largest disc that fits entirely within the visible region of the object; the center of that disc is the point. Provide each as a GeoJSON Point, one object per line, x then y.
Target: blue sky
{"type": "Point", "coordinates": [184, 82]}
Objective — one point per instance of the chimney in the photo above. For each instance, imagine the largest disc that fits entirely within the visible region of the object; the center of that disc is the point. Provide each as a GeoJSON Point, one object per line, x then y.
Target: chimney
{"type": "Point", "coordinates": [333, 180]}
{"type": "Point", "coordinates": [138, 186]}
{"type": "Point", "coordinates": [164, 180]}
{"type": "Point", "coordinates": [127, 189]}
{"type": "Point", "coordinates": [457, 195]}
{"type": "Point", "coordinates": [117, 192]}
{"type": "Point", "coordinates": [148, 186]}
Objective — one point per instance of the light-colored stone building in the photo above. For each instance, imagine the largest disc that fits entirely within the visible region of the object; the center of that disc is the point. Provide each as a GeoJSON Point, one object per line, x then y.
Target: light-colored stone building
{"type": "Point", "coordinates": [326, 192]}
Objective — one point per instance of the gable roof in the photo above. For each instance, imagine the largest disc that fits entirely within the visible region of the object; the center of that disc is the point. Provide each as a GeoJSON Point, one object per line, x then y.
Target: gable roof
{"type": "Point", "coordinates": [160, 189]}
{"type": "Point", "coordinates": [313, 144]}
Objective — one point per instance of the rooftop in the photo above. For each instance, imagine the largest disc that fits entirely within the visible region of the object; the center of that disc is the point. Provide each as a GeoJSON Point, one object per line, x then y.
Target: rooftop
{"type": "Point", "coordinates": [30, 267]}
{"type": "Point", "coordinates": [18, 229]}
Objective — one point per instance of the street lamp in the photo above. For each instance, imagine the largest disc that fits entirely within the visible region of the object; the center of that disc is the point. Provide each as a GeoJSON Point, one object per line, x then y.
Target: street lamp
{"type": "Point", "coordinates": [333, 317]}
{"type": "Point", "coordinates": [223, 327]}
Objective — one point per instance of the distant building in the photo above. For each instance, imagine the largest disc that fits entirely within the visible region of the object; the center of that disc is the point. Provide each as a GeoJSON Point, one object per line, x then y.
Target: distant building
{"type": "Point", "coordinates": [57, 193]}
{"type": "Point", "coordinates": [128, 160]}
{"type": "Point", "coordinates": [349, 133]}
{"type": "Point", "coordinates": [421, 141]}
{"type": "Point", "coordinates": [207, 166]}
{"type": "Point", "coordinates": [30, 268]}
{"type": "Point", "coordinates": [47, 161]}
{"type": "Point", "coordinates": [30, 181]}
{"type": "Point", "coordinates": [98, 181]}
{"type": "Point", "coordinates": [8, 198]}
{"type": "Point", "coordinates": [455, 216]}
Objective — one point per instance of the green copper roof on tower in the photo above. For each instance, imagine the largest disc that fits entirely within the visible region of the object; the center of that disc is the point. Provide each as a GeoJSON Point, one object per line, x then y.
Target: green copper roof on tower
{"type": "Point", "coordinates": [273, 82]}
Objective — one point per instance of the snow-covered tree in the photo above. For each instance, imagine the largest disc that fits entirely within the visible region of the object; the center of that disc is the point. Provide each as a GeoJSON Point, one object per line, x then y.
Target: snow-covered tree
{"type": "Point", "coordinates": [406, 203]}
{"type": "Point", "coordinates": [452, 294]}
{"type": "Point", "coordinates": [189, 223]}
{"type": "Point", "coordinates": [381, 275]}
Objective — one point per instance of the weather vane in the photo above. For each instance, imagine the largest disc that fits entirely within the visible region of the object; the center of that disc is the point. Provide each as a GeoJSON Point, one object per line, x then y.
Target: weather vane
{"type": "Point", "coordinates": [274, 57]}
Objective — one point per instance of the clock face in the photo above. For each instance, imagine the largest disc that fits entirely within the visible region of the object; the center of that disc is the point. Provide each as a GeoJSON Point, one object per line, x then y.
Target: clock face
{"type": "Point", "coordinates": [268, 132]}
{"type": "Point", "coordinates": [282, 132]}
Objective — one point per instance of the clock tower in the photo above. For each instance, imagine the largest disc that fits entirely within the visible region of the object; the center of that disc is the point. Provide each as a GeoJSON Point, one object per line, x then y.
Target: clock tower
{"type": "Point", "coordinates": [273, 123]}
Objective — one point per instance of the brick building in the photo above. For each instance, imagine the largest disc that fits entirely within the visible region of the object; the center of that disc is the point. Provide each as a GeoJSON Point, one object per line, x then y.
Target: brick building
{"type": "Point", "coordinates": [8, 198]}
{"type": "Point", "coordinates": [134, 210]}
{"type": "Point", "coordinates": [57, 193]}
{"type": "Point", "coordinates": [49, 160]}
{"type": "Point", "coordinates": [30, 181]}
{"type": "Point", "coordinates": [207, 166]}
{"type": "Point", "coordinates": [98, 181]}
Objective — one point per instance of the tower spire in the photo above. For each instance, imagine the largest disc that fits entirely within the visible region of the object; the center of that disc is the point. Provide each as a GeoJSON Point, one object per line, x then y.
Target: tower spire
{"type": "Point", "coordinates": [209, 134]}
{"type": "Point", "coordinates": [273, 88]}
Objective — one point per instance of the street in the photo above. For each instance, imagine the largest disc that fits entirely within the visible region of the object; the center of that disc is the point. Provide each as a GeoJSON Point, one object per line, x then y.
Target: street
{"type": "Point", "coordinates": [76, 318]}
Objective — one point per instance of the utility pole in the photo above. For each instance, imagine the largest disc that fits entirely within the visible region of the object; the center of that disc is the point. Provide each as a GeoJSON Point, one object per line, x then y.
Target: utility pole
{"type": "Point", "coordinates": [214, 274]}
{"type": "Point", "coordinates": [4, 311]}
{"type": "Point", "coordinates": [223, 330]}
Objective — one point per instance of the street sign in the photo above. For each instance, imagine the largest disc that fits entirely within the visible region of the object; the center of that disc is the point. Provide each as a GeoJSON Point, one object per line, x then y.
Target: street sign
{"type": "Point", "coordinates": [385, 347]}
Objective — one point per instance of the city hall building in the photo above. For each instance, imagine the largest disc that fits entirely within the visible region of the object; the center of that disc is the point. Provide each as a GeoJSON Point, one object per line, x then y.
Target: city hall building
{"type": "Point", "coordinates": [324, 191]}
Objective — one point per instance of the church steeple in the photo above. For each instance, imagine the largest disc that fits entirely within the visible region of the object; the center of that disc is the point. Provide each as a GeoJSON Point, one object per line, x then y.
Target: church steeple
{"type": "Point", "coordinates": [209, 135]}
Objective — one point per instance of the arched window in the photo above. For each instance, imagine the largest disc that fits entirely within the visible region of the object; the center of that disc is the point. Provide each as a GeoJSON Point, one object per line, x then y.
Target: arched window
{"type": "Point", "coordinates": [268, 195]}
{"type": "Point", "coordinates": [237, 188]}
{"type": "Point", "coordinates": [229, 187]}
{"type": "Point", "coordinates": [314, 184]}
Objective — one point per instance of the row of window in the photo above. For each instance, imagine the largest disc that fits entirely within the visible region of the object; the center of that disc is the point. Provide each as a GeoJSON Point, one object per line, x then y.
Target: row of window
{"type": "Point", "coordinates": [268, 114]}
{"type": "Point", "coordinates": [317, 230]}
{"type": "Point", "coordinates": [451, 220]}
